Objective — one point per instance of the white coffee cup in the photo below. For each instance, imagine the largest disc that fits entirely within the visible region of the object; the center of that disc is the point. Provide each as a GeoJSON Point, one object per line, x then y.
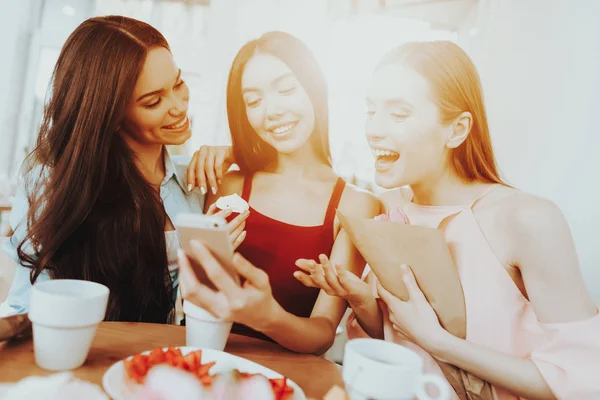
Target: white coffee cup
{"type": "Point", "coordinates": [376, 369]}
{"type": "Point", "coordinates": [65, 314]}
{"type": "Point", "coordinates": [204, 330]}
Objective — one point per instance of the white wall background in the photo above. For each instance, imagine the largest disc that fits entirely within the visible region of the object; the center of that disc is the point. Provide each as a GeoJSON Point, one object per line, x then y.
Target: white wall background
{"type": "Point", "coordinates": [539, 61]}
{"type": "Point", "coordinates": [540, 65]}
{"type": "Point", "coordinates": [14, 22]}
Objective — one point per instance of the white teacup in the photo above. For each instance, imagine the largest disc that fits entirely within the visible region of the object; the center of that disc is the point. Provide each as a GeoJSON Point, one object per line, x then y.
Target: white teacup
{"type": "Point", "coordinates": [204, 330]}
{"type": "Point", "coordinates": [65, 314]}
{"type": "Point", "coordinates": [376, 369]}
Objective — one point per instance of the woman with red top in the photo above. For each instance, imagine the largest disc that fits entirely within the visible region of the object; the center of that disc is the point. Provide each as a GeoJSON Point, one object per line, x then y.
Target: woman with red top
{"type": "Point", "coordinates": [278, 118]}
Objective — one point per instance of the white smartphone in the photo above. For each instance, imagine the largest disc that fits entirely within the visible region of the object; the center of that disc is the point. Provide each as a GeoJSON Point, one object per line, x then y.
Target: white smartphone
{"type": "Point", "coordinates": [212, 231]}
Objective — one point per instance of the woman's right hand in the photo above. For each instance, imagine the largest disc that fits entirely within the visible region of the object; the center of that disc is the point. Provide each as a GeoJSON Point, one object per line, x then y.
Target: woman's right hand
{"type": "Point", "coordinates": [235, 227]}
{"type": "Point", "coordinates": [208, 166]}
{"type": "Point", "coordinates": [333, 280]}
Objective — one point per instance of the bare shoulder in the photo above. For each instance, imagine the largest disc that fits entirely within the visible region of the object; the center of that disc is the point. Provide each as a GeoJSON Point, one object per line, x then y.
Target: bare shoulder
{"type": "Point", "coordinates": [359, 202]}
{"type": "Point", "coordinates": [521, 219]}
{"type": "Point", "coordinates": [534, 236]}
{"type": "Point", "coordinates": [525, 214]}
{"type": "Point", "coordinates": [391, 198]}
{"type": "Point", "coordinates": [233, 182]}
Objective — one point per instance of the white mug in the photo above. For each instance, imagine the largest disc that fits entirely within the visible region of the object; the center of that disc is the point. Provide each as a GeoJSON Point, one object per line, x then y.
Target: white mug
{"type": "Point", "coordinates": [65, 314]}
{"type": "Point", "coordinates": [204, 330]}
{"type": "Point", "coordinates": [376, 369]}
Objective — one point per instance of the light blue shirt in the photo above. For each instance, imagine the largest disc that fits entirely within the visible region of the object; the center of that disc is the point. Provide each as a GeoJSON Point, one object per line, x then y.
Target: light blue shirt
{"type": "Point", "coordinates": [175, 197]}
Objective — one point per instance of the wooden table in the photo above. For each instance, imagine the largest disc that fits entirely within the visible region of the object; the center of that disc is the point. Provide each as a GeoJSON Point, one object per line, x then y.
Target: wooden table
{"type": "Point", "coordinates": [117, 340]}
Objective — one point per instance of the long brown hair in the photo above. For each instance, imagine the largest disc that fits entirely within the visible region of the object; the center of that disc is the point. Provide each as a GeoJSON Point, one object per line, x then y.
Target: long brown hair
{"type": "Point", "coordinates": [92, 214]}
{"type": "Point", "coordinates": [457, 88]}
{"type": "Point", "coordinates": [250, 151]}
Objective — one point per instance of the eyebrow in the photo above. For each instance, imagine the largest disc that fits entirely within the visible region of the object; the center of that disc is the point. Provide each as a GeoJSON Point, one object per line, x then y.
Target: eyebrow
{"type": "Point", "coordinates": [398, 101]}
{"type": "Point", "coordinates": [159, 91]}
{"type": "Point", "coordinates": [274, 82]}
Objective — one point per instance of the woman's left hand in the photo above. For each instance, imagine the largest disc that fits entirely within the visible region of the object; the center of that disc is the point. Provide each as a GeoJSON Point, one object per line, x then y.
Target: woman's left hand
{"type": "Point", "coordinates": [414, 319]}
{"type": "Point", "coordinates": [250, 303]}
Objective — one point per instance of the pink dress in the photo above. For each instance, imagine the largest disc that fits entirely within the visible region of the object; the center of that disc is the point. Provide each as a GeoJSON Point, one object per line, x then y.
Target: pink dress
{"type": "Point", "coordinates": [499, 316]}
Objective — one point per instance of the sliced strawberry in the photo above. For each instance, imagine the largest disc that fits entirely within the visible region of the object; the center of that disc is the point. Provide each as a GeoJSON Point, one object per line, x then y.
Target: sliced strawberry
{"type": "Point", "coordinates": [192, 360]}
{"type": "Point", "coordinates": [204, 369]}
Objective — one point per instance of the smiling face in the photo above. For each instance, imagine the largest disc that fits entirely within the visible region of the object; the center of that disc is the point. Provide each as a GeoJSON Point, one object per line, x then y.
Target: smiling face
{"type": "Point", "coordinates": [277, 106]}
{"type": "Point", "coordinates": [158, 110]}
{"type": "Point", "coordinates": [404, 129]}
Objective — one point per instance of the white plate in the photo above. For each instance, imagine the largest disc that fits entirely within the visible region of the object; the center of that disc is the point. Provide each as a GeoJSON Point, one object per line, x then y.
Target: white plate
{"type": "Point", "coordinates": [113, 380]}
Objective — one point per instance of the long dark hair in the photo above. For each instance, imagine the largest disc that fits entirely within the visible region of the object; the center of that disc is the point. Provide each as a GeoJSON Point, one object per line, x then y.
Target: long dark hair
{"type": "Point", "coordinates": [92, 215]}
{"type": "Point", "coordinates": [251, 152]}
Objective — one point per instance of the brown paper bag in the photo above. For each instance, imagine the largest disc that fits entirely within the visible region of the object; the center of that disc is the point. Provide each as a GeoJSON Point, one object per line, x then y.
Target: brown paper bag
{"type": "Point", "coordinates": [387, 245]}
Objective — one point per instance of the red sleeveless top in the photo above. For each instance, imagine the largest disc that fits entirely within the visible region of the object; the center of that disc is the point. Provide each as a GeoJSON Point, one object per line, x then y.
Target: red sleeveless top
{"type": "Point", "coordinates": [274, 246]}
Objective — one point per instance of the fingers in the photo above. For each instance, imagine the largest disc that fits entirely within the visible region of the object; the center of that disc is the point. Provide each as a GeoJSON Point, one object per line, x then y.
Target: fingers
{"type": "Point", "coordinates": [348, 280]}
{"type": "Point", "coordinates": [220, 166]}
{"type": "Point", "coordinates": [304, 264]}
{"type": "Point", "coordinates": [200, 168]}
{"type": "Point", "coordinates": [305, 279]}
{"type": "Point", "coordinates": [194, 291]}
{"type": "Point", "coordinates": [238, 235]}
{"type": "Point", "coordinates": [191, 172]}
{"type": "Point", "coordinates": [239, 220]}
{"type": "Point", "coordinates": [213, 209]}
{"type": "Point", "coordinates": [238, 240]}
{"type": "Point", "coordinates": [209, 169]}
{"type": "Point", "coordinates": [393, 319]}
{"type": "Point", "coordinates": [220, 213]}
{"type": "Point", "coordinates": [255, 276]}
{"type": "Point", "coordinates": [318, 275]}
{"type": "Point", "coordinates": [386, 296]}
{"type": "Point", "coordinates": [330, 275]}
{"type": "Point", "coordinates": [411, 283]}
{"type": "Point", "coordinates": [214, 270]}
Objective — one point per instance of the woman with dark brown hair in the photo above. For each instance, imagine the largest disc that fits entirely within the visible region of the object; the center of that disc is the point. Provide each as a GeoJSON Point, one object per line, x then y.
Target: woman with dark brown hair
{"type": "Point", "coordinates": [100, 189]}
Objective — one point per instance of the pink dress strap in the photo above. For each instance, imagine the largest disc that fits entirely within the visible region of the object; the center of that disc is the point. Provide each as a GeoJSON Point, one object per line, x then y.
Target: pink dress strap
{"type": "Point", "coordinates": [484, 193]}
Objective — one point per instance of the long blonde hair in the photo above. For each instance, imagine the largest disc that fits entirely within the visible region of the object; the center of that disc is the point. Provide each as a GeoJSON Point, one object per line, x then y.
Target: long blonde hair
{"type": "Point", "coordinates": [457, 88]}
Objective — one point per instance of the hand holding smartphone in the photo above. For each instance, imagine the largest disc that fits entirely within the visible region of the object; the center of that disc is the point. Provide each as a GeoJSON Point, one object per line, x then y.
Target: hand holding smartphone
{"type": "Point", "coordinates": [212, 230]}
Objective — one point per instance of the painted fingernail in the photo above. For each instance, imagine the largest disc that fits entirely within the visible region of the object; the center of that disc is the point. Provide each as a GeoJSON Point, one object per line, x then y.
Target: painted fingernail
{"type": "Point", "coordinates": [203, 190]}
{"type": "Point", "coordinates": [190, 187]}
{"type": "Point", "coordinates": [243, 234]}
{"type": "Point", "coordinates": [404, 268]}
{"type": "Point", "coordinates": [213, 189]}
